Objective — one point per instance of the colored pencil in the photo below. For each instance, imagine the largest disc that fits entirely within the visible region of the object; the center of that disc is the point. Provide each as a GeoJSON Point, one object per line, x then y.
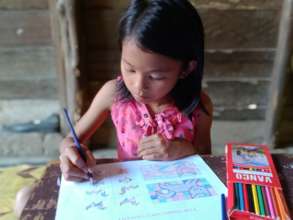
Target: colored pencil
{"type": "Point", "coordinates": [240, 194]}
{"type": "Point", "coordinates": [280, 204]}
{"type": "Point", "coordinates": [270, 202]}
{"type": "Point", "coordinates": [223, 205]}
{"type": "Point", "coordinates": [245, 196]}
{"type": "Point", "coordinates": [277, 210]}
{"type": "Point", "coordinates": [284, 203]}
{"type": "Point", "coordinates": [255, 199]}
{"type": "Point", "coordinates": [265, 201]}
{"type": "Point", "coordinates": [260, 200]}
{"type": "Point", "coordinates": [76, 141]}
{"type": "Point", "coordinates": [250, 198]}
{"type": "Point", "coordinates": [236, 197]}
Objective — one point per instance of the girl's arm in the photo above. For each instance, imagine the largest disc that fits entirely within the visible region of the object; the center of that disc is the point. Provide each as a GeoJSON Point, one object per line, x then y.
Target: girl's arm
{"type": "Point", "coordinates": [71, 164]}
{"type": "Point", "coordinates": [97, 112]}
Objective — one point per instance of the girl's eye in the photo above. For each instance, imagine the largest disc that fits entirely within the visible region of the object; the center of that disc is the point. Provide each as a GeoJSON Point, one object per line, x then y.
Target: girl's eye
{"type": "Point", "coordinates": [156, 77]}
{"type": "Point", "coordinates": [130, 70]}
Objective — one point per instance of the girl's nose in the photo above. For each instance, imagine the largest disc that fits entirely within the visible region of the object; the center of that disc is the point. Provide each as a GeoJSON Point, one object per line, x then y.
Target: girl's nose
{"type": "Point", "coordinates": [140, 84]}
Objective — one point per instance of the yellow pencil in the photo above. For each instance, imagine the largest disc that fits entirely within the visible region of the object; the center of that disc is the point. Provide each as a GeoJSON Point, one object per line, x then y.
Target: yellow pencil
{"type": "Point", "coordinates": [255, 199]}
{"type": "Point", "coordinates": [254, 196]}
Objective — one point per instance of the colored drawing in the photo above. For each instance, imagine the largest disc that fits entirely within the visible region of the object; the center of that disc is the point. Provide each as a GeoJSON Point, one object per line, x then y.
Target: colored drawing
{"type": "Point", "coordinates": [170, 170]}
{"type": "Point", "coordinates": [180, 190]}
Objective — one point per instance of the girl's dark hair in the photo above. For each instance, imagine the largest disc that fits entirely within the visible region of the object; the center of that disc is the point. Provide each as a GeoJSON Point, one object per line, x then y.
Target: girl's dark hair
{"type": "Point", "coordinates": [172, 28]}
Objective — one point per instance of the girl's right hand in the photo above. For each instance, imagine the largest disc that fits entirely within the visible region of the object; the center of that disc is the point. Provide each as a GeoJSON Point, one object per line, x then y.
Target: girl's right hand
{"type": "Point", "coordinates": [72, 166]}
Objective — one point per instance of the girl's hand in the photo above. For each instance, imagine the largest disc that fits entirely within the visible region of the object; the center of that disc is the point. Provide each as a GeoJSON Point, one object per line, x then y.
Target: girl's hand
{"type": "Point", "coordinates": [72, 166]}
{"type": "Point", "coordinates": [155, 147]}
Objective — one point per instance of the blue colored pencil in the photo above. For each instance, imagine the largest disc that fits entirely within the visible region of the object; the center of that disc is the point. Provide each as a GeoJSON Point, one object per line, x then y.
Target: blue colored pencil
{"type": "Point", "coordinates": [241, 199]}
{"type": "Point", "coordinates": [224, 210]}
{"type": "Point", "coordinates": [76, 141]}
{"type": "Point", "coordinates": [75, 138]}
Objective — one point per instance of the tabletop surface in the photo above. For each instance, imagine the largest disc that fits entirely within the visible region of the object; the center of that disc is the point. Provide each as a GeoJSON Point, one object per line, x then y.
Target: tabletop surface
{"type": "Point", "coordinates": [43, 201]}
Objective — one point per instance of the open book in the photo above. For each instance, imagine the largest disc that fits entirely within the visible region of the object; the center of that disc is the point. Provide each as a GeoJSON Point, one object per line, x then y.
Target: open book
{"type": "Point", "coordinates": [185, 188]}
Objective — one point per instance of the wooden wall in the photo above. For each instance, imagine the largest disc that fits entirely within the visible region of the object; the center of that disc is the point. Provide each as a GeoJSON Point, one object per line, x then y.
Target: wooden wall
{"type": "Point", "coordinates": [26, 53]}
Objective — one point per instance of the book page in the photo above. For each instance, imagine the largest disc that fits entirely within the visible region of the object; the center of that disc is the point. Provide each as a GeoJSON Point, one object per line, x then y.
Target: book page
{"type": "Point", "coordinates": [145, 190]}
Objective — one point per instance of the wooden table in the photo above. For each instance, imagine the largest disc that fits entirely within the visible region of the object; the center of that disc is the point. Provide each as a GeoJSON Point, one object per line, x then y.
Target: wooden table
{"type": "Point", "coordinates": [43, 201]}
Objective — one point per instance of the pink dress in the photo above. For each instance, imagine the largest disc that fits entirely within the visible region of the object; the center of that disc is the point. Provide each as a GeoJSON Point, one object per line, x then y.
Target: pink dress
{"type": "Point", "coordinates": [133, 121]}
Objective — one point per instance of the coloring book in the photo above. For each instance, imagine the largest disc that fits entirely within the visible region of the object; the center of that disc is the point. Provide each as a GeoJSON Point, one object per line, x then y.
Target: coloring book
{"type": "Point", "coordinates": [185, 188]}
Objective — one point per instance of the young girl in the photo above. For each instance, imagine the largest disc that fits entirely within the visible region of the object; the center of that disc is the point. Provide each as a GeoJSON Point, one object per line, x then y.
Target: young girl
{"type": "Point", "coordinates": [156, 103]}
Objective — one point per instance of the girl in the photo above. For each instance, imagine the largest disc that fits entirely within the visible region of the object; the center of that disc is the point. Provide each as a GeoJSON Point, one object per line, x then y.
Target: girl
{"type": "Point", "coordinates": [156, 103]}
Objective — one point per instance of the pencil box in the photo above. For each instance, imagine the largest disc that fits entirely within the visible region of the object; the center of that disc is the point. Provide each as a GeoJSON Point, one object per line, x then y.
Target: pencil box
{"type": "Point", "coordinates": [254, 189]}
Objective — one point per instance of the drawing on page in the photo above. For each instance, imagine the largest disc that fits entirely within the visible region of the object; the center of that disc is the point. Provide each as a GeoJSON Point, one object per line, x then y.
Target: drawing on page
{"type": "Point", "coordinates": [174, 169]}
{"type": "Point", "coordinates": [125, 179]}
{"type": "Point", "coordinates": [125, 189]}
{"type": "Point", "coordinates": [180, 190]}
{"type": "Point", "coordinates": [129, 201]}
{"type": "Point", "coordinates": [98, 205]}
{"type": "Point", "coordinates": [98, 192]}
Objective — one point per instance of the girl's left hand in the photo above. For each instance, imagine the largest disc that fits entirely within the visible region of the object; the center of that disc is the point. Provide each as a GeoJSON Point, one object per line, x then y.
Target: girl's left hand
{"type": "Point", "coordinates": [154, 147]}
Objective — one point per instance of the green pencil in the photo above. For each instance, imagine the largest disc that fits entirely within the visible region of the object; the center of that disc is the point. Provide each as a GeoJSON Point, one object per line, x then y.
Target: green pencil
{"type": "Point", "coordinates": [260, 200]}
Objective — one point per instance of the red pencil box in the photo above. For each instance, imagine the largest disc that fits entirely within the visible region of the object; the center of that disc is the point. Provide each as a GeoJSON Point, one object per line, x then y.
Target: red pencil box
{"type": "Point", "coordinates": [254, 189]}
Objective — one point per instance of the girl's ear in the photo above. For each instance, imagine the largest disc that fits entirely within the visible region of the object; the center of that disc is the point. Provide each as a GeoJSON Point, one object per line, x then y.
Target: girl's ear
{"type": "Point", "coordinates": [190, 68]}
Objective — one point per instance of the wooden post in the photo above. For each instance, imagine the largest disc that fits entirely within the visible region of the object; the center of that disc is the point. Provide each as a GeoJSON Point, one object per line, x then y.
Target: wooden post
{"type": "Point", "coordinates": [66, 35]}
{"type": "Point", "coordinates": [280, 72]}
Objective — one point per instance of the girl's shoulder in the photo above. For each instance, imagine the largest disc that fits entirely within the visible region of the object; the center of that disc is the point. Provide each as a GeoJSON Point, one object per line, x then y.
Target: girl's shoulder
{"type": "Point", "coordinates": [106, 95]}
{"type": "Point", "coordinates": [207, 103]}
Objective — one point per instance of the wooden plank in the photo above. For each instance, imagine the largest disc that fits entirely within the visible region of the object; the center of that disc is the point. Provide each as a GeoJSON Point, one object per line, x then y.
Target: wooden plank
{"type": "Point", "coordinates": [239, 95]}
{"type": "Point", "coordinates": [234, 114]}
{"type": "Point", "coordinates": [240, 28]}
{"type": "Point", "coordinates": [215, 4]}
{"type": "Point", "coordinates": [219, 65]}
{"type": "Point", "coordinates": [23, 4]}
{"type": "Point", "coordinates": [28, 89]}
{"type": "Point", "coordinates": [239, 65]}
{"type": "Point", "coordinates": [19, 28]}
{"type": "Point", "coordinates": [280, 72]}
{"type": "Point", "coordinates": [27, 63]}
{"type": "Point", "coordinates": [238, 4]}
{"type": "Point", "coordinates": [258, 28]}
{"type": "Point", "coordinates": [60, 61]}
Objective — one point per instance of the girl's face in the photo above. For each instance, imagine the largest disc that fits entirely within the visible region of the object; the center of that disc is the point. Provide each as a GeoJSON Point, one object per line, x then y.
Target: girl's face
{"type": "Point", "coordinates": [148, 76]}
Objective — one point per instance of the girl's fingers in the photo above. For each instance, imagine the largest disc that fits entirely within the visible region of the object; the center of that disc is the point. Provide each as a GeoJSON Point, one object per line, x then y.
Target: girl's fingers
{"type": "Point", "coordinates": [150, 154]}
{"type": "Point", "coordinates": [142, 148]}
{"type": "Point", "coordinates": [149, 139]}
{"type": "Point", "coordinates": [151, 157]}
{"type": "Point", "coordinates": [69, 171]}
{"type": "Point", "coordinates": [75, 158]}
{"type": "Point", "coordinates": [91, 161]}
